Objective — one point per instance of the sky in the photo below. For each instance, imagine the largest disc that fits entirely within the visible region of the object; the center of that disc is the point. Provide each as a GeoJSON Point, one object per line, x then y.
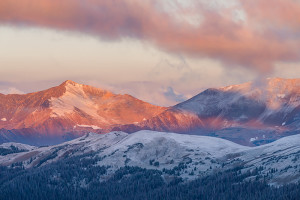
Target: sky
{"type": "Point", "coordinates": [160, 51]}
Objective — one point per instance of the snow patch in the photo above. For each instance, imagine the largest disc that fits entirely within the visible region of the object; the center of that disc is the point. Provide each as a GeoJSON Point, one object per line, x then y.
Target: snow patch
{"type": "Point", "coordinates": [4, 119]}
{"type": "Point", "coordinates": [88, 126]}
{"type": "Point", "coordinates": [228, 88]}
{"type": "Point", "coordinates": [253, 139]}
{"type": "Point", "coordinates": [281, 95]}
{"type": "Point", "coordinates": [74, 97]}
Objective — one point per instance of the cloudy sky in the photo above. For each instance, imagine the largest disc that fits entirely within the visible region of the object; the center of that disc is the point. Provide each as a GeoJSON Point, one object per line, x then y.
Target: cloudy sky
{"type": "Point", "coordinates": [161, 51]}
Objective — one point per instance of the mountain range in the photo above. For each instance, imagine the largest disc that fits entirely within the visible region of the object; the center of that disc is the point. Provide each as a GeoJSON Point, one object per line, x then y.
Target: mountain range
{"type": "Point", "coordinates": [249, 114]}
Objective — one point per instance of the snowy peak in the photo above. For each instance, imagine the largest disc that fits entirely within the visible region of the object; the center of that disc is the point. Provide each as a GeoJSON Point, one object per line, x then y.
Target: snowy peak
{"type": "Point", "coordinates": [71, 108]}
{"type": "Point", "coordinates": [70, 82]}
{"type": "Point", "coordinates": [255, 100]}
{"type": "Point", "coordinates": [73, 98]}
{"type": "Point", "coordinates": [73, 87]}
{"type": "Point", "coordinates": [270, 87]}
{"type": "Point", "coordinates": [94, 103]}
{"type": "Point", "coordinates": [83, 90]}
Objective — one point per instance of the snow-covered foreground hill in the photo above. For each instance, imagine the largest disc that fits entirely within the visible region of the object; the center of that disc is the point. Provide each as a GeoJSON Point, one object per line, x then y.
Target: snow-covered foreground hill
{"type": "Point", "coordinates": [187, 156]}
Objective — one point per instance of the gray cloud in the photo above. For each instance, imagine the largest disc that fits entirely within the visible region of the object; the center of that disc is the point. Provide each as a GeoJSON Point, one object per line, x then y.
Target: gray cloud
{"type": "Point", "coordinates": [171, 95]}
{"type": "Point", "coordinates": [256, 42]}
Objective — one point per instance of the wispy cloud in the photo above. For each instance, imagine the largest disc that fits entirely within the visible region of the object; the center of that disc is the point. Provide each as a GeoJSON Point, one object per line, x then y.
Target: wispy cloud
{"type": "Point", "coordinates": [11, 90]}
{"type": "Point", "coordinates": [249, 33]}
{"type": "Point", "coordinates": [174, 96]}
{"type": "Point", "coordinates": [152, 92]}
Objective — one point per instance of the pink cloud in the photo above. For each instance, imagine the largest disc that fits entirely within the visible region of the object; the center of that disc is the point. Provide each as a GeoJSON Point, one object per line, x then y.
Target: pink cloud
{"type": "Point", "coordinates": [269, 34]}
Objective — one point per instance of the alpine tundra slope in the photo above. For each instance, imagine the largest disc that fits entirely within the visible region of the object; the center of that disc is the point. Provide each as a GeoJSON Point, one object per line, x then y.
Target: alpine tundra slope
{"type": "Point", "coordinates": [185, 156]}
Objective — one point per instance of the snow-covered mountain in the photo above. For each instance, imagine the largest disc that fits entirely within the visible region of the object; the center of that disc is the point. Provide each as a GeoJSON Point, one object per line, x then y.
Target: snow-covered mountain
{"type": "Point", "coordinates": [66, 111]}
{"type": "Point", "coordinates": [187, 156]}
{"type": "Point", "coordinates": [249, 114]}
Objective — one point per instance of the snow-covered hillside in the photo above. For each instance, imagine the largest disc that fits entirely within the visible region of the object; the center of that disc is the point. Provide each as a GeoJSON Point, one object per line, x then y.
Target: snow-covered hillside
{"type": "Point", "coordinates": [279, 161]}
{"type": "Point", "coordinates": [188, 156]}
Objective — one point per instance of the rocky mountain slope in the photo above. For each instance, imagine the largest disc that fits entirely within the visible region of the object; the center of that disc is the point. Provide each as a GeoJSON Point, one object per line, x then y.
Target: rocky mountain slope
{"type": "Point", "coordinates": [185, 156]}
{"type": "Point", "coordinates": [66, 111]}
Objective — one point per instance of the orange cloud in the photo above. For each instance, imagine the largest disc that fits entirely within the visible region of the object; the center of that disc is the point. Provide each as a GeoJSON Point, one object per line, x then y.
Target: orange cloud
{"type": "Point", "coordinates": [270, 32]}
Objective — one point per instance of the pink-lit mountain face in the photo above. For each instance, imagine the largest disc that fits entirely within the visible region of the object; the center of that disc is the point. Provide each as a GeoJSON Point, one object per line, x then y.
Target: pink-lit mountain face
{"type": "Point", "coordinates": [247, 113]}
{"type": "Point", "coordinates": [70, 108]}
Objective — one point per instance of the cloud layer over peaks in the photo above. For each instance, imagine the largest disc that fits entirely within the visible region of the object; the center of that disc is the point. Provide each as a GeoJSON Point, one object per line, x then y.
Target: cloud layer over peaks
{"type": "Point", "coordinates": [247, 33]}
